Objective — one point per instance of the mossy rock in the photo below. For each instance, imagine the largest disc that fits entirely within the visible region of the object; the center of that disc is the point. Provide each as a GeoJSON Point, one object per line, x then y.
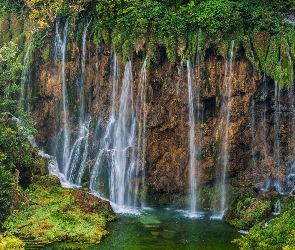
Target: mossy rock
{"type": "Point", "coordinates": [245, 211]}
{"type": "Point", "coordinates": [53, 213]}
{"type": "Point", "coordinates": [11, 243]}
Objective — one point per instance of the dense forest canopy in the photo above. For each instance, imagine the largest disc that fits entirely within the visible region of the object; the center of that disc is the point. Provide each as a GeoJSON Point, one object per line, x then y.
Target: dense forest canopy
{"type": "Point", "coordinates": [134, 25]}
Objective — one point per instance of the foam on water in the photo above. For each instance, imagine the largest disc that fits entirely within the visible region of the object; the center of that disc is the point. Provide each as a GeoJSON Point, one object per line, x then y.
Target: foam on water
{"type": "Point", "coordinates": [243, 231]}
{"type": "Point", "coordinates": [190, 214]}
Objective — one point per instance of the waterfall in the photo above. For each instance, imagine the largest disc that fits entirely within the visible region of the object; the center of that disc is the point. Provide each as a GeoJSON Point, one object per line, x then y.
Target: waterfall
{"type": "Point", "coordinates": [77, 160]}
{"type": "Point", "coordinates": [277, 207]}
{"type": "Point", "coordinates": [291, 173]}
{"type": "Point", "coordinates": [122, 169]}
{"type": "Point", "coordinates": [62, 151]}
{"type": "Point", "coordinates": [263, 120]}
{"type": "Point", "coordinates": [198, 131]}
{"type": "Point", "coordinates": [141, 118]}
{"type": "Point", "coordinates": [226, 108]}
{"type": "Point", "coordinates": [25, 82]}
{"type": "Point", "coordinates": [277, 111]}
{"type": "Point", "coordinates": [252, 112]}
{"type": "Point", "coordinates": [99, 173]}
{"type": "Point", "coordinates": [192, 173]}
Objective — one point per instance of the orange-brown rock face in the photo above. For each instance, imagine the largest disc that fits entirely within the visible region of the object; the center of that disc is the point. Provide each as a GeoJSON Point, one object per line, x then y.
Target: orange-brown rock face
{"type": "Point", "coordinates": [166, 161]}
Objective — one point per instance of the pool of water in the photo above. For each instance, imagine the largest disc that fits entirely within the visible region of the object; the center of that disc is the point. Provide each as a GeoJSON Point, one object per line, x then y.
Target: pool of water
{"type": "Point", "coordinates": [164, 228]}
{"type": "Point", "coordinates": [167, 228]}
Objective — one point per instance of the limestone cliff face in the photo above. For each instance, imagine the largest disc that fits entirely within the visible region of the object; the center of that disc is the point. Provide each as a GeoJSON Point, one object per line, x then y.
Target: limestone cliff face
{"type": "Point", "coordinates": [252, 157]}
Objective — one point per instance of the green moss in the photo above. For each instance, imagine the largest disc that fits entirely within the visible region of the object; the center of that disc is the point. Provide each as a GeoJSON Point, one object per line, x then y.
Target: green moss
{"type": "Point", "coordinates": [45, 52]}
{"type": "Point", "coordinates": [209, 196]}
{"type": "Point", "coordinates": [278, 234]}
{"type": "Point", "coordinates": [272, 59]}
{"type": "Point", "coordinates": [245, 211]}
{"type": "Point", "coordinates": [11, 243]}
{"type": "Point", "coordinates": [260, 44]}
{"type": "Point", "coordinates": [53, 213]}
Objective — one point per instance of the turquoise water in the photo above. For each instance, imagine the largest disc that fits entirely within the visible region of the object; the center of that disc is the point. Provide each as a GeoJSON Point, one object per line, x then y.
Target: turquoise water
{"type": "Point", "coordinates": [168, 229]}
{"type": "Point", "coordinates": [163, 228]}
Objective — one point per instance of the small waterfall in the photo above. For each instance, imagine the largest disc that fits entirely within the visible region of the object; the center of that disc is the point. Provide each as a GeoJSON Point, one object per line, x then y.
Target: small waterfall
{"type": "Point", "coordinates": [81, 83]}
{"type": "Point", "coordinates": [198, 130]}
{"type": "Point", "coordinates": [277, 207]}
{"type": "Point", "coordinates": [192, 173]}
{"type": "Point", "coordinates": [78, 155]}
{"type": "Point", "coordinates": [252, 112]}
{"type": "Point", "coordinates": [98, 174]}
{"type": "Point", "coordinates": [226, 108]}
{"type": "Point", "coordinates": [291, 174]}
{"type": "Point", "coordinates": [141, 118]}
{"type": "Point", "coordinates": [25, 81]}
{"type": "Point", "coordinates": [122, 169]}
{"type": "Point", "coordinates": [77, 159]}
{"type": "Point", "coordinates": [63, 138]}
{"type": "Point", "coordinates": [277, 112]}
{"type": "Point", "coordinates": [263, 121]}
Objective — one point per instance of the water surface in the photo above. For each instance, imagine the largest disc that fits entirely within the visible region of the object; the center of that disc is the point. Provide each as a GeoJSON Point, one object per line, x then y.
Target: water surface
{"type": "Point", "coordinates": [168, 229]}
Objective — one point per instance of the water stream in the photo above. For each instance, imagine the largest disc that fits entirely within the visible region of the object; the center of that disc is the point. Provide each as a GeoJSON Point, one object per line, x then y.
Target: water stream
{"type": "Point", "coordinates": [77, 161]}
{"type": "Point", "coordinates": [225, 109]}
{"type": "Point", "coordinates": [62, 151]}
{"type": "Point", "coordinates": [277, 102]}
{"type": "Point", "coordinates": [192, 167]}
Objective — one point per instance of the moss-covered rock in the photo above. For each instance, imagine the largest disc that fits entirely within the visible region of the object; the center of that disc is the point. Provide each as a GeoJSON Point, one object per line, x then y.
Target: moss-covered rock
{"type": "Point", "coordinates": [11, 243]}
{"type": "Point", "coordinates": [247, 210]}
{"type": "Point", "coordinates": [276, 234]}
{"type": "Point", "coordinates": [52, 213]}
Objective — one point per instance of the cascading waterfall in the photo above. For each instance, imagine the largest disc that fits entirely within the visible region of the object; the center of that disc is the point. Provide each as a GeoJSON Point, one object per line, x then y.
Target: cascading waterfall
{"type": "Point", "coordinates": [105, 149]}
{"type": "Point", "coordinates": [25, 81]}
{"type": "Point", "coordinates": [291, 174]}
{"type": "Point", "coordinates": [99, 174]}
{"type": "Point", "coordinates": [198, 130]}
{"type": "Point", "coordinates": [277, 207]}
{"type": "Point", "coordinates": [263, 120]}
{"type": "Point", "coordinates": [123, 168]}
{"type": "Point", "coordinates": [62, 150]}
{"type": "Point", "coordinates": [277, 101]}
{"type": "Point", "coordinates": [141, 118]}
{"type": "Point", "coordinates": [77, 160]}
{"type": "Point", "coordinates": [226, 108]}
{"type": "Point", "coordinates": [192, 168]}
{"type": "Point", "coordinates": [120, 157]}
{"type": "Point", "coordinates": [252, 112]}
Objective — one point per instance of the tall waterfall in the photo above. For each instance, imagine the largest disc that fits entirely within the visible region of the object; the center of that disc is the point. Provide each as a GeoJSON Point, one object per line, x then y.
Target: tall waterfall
{"type": "Point", "coordinates": [123, 167]}
{"type": "Point", "coordinates": [141, 118]}
{"type": "Point", "coordinates": [198, 130]}
{"type": "Point", "coordinates": [120, 158]}
{"type": "Point", "coordinates": [62, 151]}
{"type": "Point", "coordinates": [100, 174]}
{"type": "Point", "coordinates": [226, 108]}
{"type": "Point", "coordinates": [277, 111]}
{"type": "Point", "coordinates": [252, 112]}
{"type": "Point", "coordinates": [263, 121]}
{"type": "Point", "coordinates": [77, 161]}
{"type": "Point", "coordinates": [192, 150]}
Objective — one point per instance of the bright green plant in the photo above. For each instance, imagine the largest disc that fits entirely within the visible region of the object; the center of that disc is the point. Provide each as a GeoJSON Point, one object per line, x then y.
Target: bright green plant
{"type": "Point", "coordinates": [53, 213]}
{"type": "Point", "coordinates": [277, 234]}
{"type": "Point", "coordinates": [11, 243]}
